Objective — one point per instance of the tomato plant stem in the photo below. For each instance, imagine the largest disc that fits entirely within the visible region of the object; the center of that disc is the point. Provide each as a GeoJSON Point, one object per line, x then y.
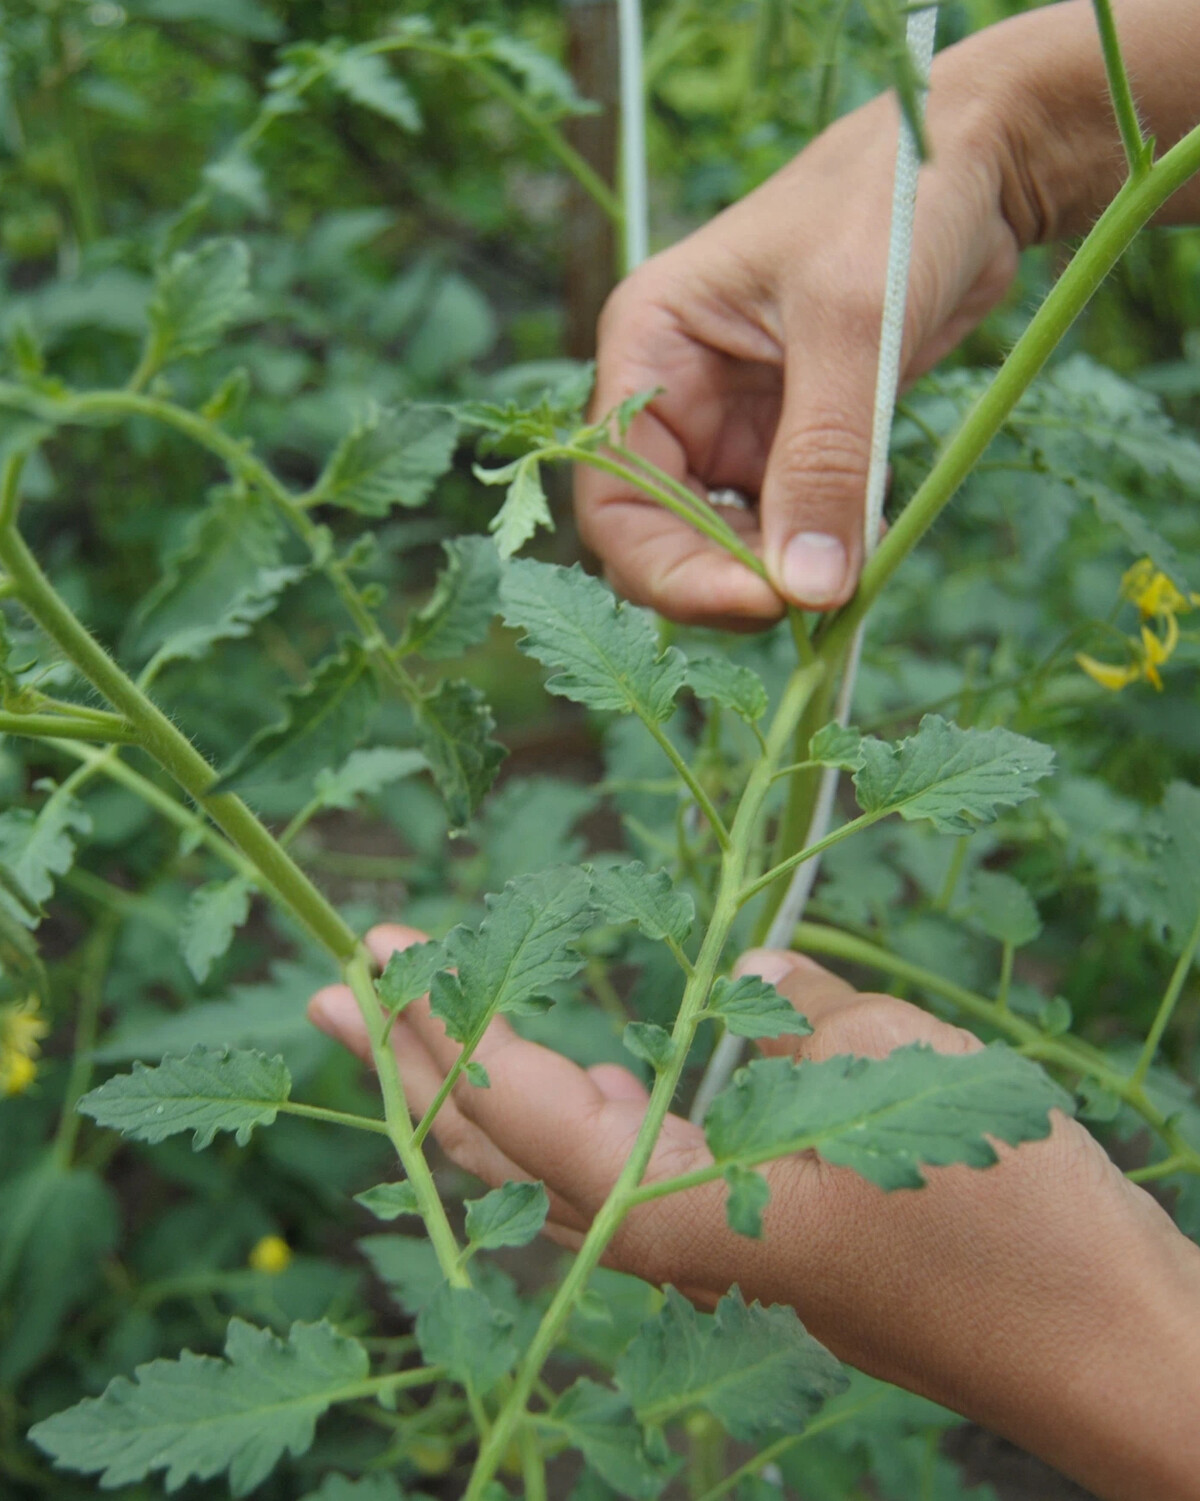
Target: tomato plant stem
{"type": "Point", "coordinates": [1166, 1007]}
{"type": "Point", "coordinates": [1137, 148]}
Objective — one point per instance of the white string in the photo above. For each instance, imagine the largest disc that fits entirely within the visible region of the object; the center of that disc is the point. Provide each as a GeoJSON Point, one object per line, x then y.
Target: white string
{"type": "Point", "coordinates": [634, 185]}
{"type": "Point", "coordinates": [922, 25]}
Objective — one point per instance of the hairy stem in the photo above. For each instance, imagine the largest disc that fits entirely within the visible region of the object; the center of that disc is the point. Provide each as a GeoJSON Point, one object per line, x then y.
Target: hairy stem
{"type": "Point", "coordinates": [623, 1195]}
{"type": "Point", "coordinates": [1137, 151]}
{"type": "Point", "coordinates": [1166, 1007]}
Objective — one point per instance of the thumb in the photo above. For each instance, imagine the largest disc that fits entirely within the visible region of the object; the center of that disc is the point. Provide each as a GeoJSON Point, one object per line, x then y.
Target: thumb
{"type": "Point", "coordinates": [814, 488]}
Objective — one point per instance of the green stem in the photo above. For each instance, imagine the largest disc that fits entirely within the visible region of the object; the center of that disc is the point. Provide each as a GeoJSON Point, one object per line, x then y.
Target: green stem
{"type": "Point", "coordinates": [1008, 954]}
{"type": "Point", "coordinates": [335, 1117]}
{"type": "Point", "coordinates": [1137, 202]}
{"type": "Point", "coordinates": [64, 727]}
{"type": "Point", "coordinates": [172, 749]}
{"type": "Point", "coordinates": [97, 953]}
{"type": "Point", "coordinates": [1156, 1170]}
{"type": "Point", "coordinates": [689, 779]}
{"type": "Point", "coordinates": [695, 996]}
{"type": "Point", "coordinates": [1137, 150]}
{"type": "Point", "coordinates": [357, 975]}
{"type": "Point", "coordinates": [533, 1466]}
{"type": "Point", "coordinates": [1166, 1007]}
{"type": "Point", "coordinates": [801, 857]}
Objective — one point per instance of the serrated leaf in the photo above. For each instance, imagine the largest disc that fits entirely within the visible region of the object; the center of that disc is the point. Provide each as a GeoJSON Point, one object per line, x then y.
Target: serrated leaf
{"type": "Point", "coordinates": [34, 848]}
{"type": "Point", "coordinates": [465, 598]}
{"type": "Point", "coordinates": [1179, 861]}
{"type": "Point", "coordinates": [213, 915]}
{"type": "Point", "coordinates": [885, 1117]}
{"type": "Point", "coordinates": [1000, 907]}
{"type": "Point", "coordinates": [545, 81]}
{"type": "Point", "coordinates": [459, 1329]}
{"type": "Point", "coordinates": [607, 654]}
{"type": "Point", "coordinates": [525, 508]}
{"type": "Point", "coordinates": [408, 1265]}
{"type": "Point", "coordinates": [600, 1424]}
{"type": "Point", "coordinates": [757, 1370]}
{"type": "Point", "coordinates": [749, 1195]}
{"type": "Point", "coordinates": [208, 1090]}
{"type": "Point", "coordinates": [197, 295]}
{"type": "Point", "coordinates": [394, 457]}
{"type": "Point", "coordinates": [649, 1042]}
{"type": "Point", "coordinates": [365, 773]}
{"type": "Point", "coordinates": [750, 1007]}
{"type": "Point", "coordinates": [323, 721]}
{"type": "Point", "coordinates": [409, 973]}
{"type": "Point", "coordinates": [730, 685]}
{"type": "Point", "coordinates": [837, 745]}
{"type": "Point", "coordinates": [511, 1215]}
{"type": "Point", "coordinates": [243, 179]}
{"type": "Point", "coordinates": [956, 778]}
{"type": "Point", "coordinates": [524, 946]}
{"type": "Point", "coordinates": [647, 899]}
{"type": "Point", "coordinates": [366, 78]}
{"type": "Point", "coordinates": [388, 1201]}
{"type": "Point", "coordinates": [197, 1416]}
{"type": "Point", "coordinates": [227, 574]}
{"type": "Point", "coordinates": [455, 725]}
{"type": "Point", "coordinates": [476, 1075]}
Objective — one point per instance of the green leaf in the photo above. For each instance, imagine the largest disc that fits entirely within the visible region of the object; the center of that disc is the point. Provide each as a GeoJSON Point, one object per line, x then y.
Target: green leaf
{"type": "Point", "coordinates": [388, 1201]}
{"type": "Point", "coordinates": [367, 1488]}
{"type": "Point", "coordinates": [608, 654]}
{"type": "Point", "coordinates": [649, 1042]}
{"type": "Point", "coordinates": [365, 773]}
{"type": "Point", "coordinates": [197, 295]}
{"type": "Point", "coordinates": [214, 914]}
{"type": "Point", "coordinates": [750, 1007]}
{"type": "Point", "coordinates": [208, 1090]}
{"type": "Point", "coordinates": [600, 1424]}
{"type": "Point", "coordinates": [647, 899]}
{"type": "Point", "coordinates": [528, 825]}
{"type": "Point", "coordinates": [36, 847]}
{"type": "Point", "coordinates": [394, 457]}
{"type": "Point", "coordinates": [459, 1329]}
{"type": "Point", "coordinates": [366, 78]}
{"type": "Point", "coordinates": [730, 685]}
{"type": "Point", "coordinates": [323, 721]}
{"type": "Point", "coordinates": [197, 1416]}
{"type": "Point", "coordinates": [227, 574]}
{"type": "Point", "coordinates": [838, 745]}
{"type": "Point", "coordinates": [477, 1075]}
{"type": "Point", "coordinates": [409, 973]}
{"type": "Point", "coordinates": [956, 778]}
{"type": "Point", "coordinates": [511, 1215]}
{"type": "Point", "coordinates": [756, 1369]}
{"type": "Point", "coordinates": [58, 1227]}
{"type": "Point", "coordinates": [524, 946]}
{"type": "Point", "coordinates": [525, 505]}
{"type": "Point", "coordinates": [455, 723]}
{"type": "Point", "coordinates": [545, 81]}
{"type": "Point", "coordinates": [885, 1117]}
{"type": "Point", "coordinates": [749, 1195]}
{"type": "Point", "coordinates": [1179, 861]}
{"type": "Point", "coordinates": [408, 1265]}
{"type": "Point", "coordinates": [999, 906]}
{"type": "Point", "coordinates": [465, 598]}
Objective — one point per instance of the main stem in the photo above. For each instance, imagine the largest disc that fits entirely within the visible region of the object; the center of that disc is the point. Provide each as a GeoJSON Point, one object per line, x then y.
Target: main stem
{"type": "Point", "coordinates": [695, 996]}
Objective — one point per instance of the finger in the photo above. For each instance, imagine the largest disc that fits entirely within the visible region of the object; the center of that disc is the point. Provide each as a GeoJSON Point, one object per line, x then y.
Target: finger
{"type": "Point", "coordinates": [335, 1011]}
{"type": "Point", "coordinates": [813, 990]}
{"type": "Point", "coordinates": [814, 490]}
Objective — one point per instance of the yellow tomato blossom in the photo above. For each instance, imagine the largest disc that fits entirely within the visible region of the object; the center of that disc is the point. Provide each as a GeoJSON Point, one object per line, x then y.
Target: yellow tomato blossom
{"type": "Point", "coordinates": [1159, 602]}
{"type": "Point", "coordinates": [22, 1028]}
{"type": "Point", "coordinates": [271, 1255]}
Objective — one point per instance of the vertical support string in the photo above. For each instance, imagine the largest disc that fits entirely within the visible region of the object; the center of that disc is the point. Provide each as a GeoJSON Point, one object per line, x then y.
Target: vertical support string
{"type": "Point", "coordinates": [922, 25]}
{"type": "Point", "coordinates": [634, 179]}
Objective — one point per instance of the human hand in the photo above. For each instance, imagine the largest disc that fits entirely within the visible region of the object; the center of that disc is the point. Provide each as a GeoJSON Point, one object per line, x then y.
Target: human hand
{"type": "Point", "coordinates": [1016, 1295]}
{"type": "Point", "coordinates": [763, 327]}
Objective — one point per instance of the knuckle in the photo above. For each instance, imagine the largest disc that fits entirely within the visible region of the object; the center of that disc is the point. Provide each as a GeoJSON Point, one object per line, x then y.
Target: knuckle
{"type": "Point", "coordinates": [826, 456]}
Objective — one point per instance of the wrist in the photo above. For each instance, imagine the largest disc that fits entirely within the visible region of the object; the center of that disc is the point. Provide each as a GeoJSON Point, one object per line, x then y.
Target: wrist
{"type": "Point", "coordinates": [1107, 1386]}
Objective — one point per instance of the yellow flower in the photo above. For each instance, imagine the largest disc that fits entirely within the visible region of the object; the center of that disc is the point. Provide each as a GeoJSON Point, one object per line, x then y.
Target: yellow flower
{"type": "Point", "coordinates": [1159, 603]}
{"type": "Point", "coordinates": [271, 1255]}
{"type": "Point", "coordinates": [22, 1028]}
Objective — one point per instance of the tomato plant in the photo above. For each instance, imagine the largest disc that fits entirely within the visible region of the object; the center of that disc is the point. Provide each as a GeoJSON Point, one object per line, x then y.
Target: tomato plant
{"type": "Point", "coordinates": [218, 690]}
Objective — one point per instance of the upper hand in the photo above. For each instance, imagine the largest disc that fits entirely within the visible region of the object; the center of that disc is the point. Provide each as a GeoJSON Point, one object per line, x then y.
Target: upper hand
{"type": "Point", "coordinates": [762, 329]}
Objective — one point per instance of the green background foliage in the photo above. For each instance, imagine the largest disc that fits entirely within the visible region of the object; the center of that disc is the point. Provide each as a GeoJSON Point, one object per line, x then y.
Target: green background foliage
{"type": "Point", "coordinates": [388, 244]}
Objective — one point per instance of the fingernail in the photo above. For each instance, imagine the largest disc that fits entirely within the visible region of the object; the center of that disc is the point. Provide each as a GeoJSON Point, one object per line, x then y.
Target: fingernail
{"type": "Point", "coordinates": [814, 568]}
{"type": "Point", "coordinates": [771, 965]}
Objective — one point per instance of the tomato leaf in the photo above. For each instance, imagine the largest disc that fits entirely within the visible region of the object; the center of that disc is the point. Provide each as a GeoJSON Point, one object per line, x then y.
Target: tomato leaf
{"type": "Point", "coordinates": [460, 1329]}
{"type": "Point", "coordinates": [213, 915]}
{"type": "Point", "coordinates": [455, 724]}
{"type": "Point", "coordinates": [601, 1425]}
{"type": "Point", "coordinates": [647, 899]}
{"type": "Point", "coordinates": [197, 295]}
{"type": "Point", "coordinates": [465, 598]}
{"type": "Point", "coordinates": [730, 685]}
{"type": "Point", "coordinates": [394, 457]}
{"type": "Point", "coordinates": [366, 78]}
{"type": "Point", "coordinates": [511, 1215]}
{"type": "Point", "coordinates": [750, 1007]}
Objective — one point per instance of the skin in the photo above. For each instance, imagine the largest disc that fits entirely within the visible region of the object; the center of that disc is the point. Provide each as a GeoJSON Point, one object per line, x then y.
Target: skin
{"type": "Point", "coordinates": [763, 326]}
{"type": "Point", "coordinates": [1046, 1297]}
